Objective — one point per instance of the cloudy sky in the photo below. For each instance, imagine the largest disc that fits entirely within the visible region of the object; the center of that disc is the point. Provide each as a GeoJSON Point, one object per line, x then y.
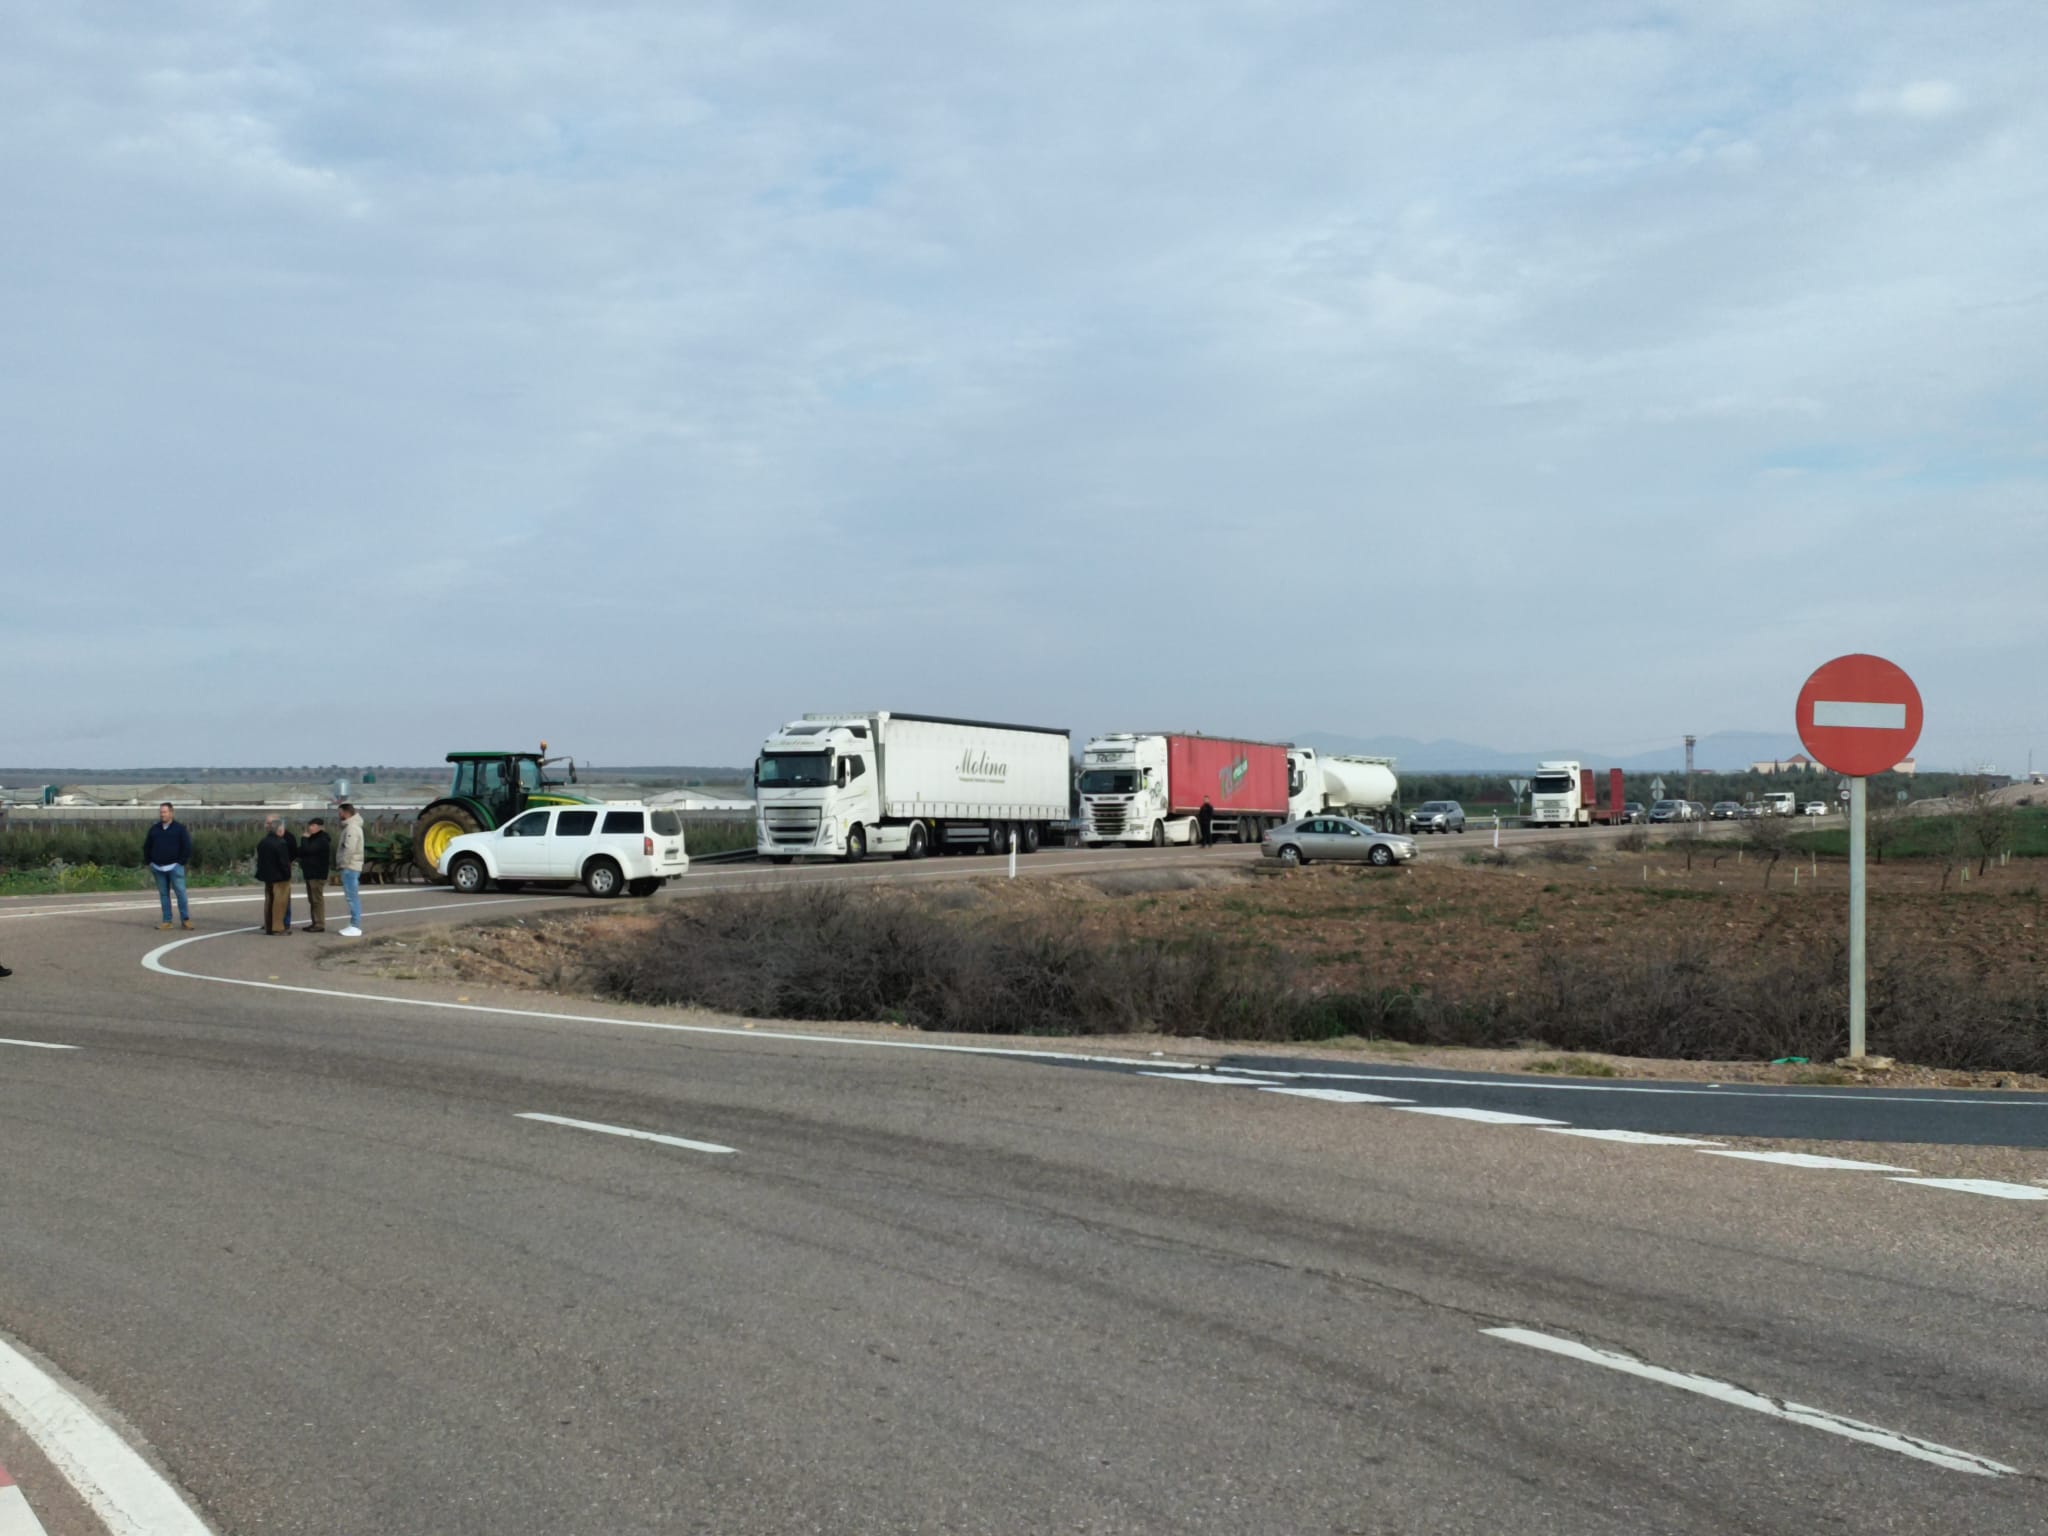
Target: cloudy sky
{"type": "Point", "coordinates": [386, 378]}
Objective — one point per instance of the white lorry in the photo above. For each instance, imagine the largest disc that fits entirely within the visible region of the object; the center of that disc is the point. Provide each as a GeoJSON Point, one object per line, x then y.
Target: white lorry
{"type": "Point", "coordinates": [1779, 802]}
{"type": "Point", "coordinates": [844, 786]}
{"type": "Point", "coordinates": [1334, 784]}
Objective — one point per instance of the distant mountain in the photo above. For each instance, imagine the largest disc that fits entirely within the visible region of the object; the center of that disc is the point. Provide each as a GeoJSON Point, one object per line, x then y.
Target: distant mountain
{"type": "Point", "coordinates": [1721, 752]}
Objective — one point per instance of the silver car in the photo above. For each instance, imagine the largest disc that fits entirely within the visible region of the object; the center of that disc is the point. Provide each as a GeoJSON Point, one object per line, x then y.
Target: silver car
{"type": "Point", "coordinates": [1335, 838]}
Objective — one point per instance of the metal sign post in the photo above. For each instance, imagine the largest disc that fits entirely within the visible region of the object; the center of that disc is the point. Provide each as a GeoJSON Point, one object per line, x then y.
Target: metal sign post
{"type": "Point", "coordinates": [1858, 804]}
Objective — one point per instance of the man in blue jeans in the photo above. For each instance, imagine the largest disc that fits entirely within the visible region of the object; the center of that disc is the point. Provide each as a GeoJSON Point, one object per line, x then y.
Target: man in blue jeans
{"type": "Point", "coordinates": [167, 849]}
{"type": "Point", "coordinates": [350, 862]}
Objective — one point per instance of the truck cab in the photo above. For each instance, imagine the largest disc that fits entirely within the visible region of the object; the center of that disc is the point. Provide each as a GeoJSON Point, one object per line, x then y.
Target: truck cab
{"type": "Point", "coordinates": [814, 783]}
{"type": "Point", "coordinates": [1123, 791]}
{"type": "Point", "coordinates": [1780, 802]}
{"type": "Point", "coordinates": [1556, 797]}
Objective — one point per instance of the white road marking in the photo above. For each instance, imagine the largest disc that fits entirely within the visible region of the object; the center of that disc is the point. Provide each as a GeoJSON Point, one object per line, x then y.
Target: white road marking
{"type": "Point", "coordinates": [16, 1518]}
{"type": "Point", "coordinates": [1712, 1091]}
{"type": "Point", "coordinates": [128, 1495]}
{"type": "Point", "coordinates": [1756, 1402]}
{"type": "Point", "coordinates": [1633, 1138]}
{"type": "Point", "coordinates": [40, 1045]}
{"type": "Point", "coordinates": [242, 895]}
{"type": "Point", "coordinates": [1483, 1116]}
{"type": "Point", "coordinates": [1209, 1077]}
{"type": "Point", "coordinates": [1993, 1187]}
{"type": "Point", "coordinates": [624, 1130]}
{"type": "Point", "coordinates": [1859, 715]}
{"type": "Point", "coordinates": [1808, 1160]}
{"type": "Point", "coordinates": [1336, 1095]}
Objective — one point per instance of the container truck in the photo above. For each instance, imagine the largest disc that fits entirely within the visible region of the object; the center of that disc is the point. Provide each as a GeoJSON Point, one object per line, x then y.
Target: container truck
{"type": "Point", "coordinates": [1148, 787]}
{"type": "Point", "coordinates": [1363, 788]}
{"type": "Point", "coordinates": [1779, 802]}
{"type": "Point", "coordinates": [1562, 795]}
{"type": "Point", "coordinates": [845, 786]}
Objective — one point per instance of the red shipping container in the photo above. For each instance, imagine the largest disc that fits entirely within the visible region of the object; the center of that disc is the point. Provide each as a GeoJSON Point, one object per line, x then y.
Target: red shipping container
{"type": "Point", "coordinates": [1237, 778]}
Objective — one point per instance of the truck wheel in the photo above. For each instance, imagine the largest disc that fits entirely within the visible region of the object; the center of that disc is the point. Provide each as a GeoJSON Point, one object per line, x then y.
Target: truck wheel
{"type": "Point", "coordinates": [1028, 842]}
{"type": "Point", "coordinates": [856, 845]}
{"type": "Point", "coordinates": [467, 874]}
{"type": "Point", "coordinates": [1290, 856]}
{"type": "Point", "coordinates": [1381, 855]}
{"type": "Point", "coordinates": [1158, 834]}
{"type": "Point", "coordinates": [918, 846]}
{"type": "Point", "coordinates": [601, 877]}
{"type": "Point", "coordinates": [999, 838]}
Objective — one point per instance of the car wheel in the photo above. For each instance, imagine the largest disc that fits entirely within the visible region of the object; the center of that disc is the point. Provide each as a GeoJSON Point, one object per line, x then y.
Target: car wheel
{"type": "Point", "coordinates": [601, 877]}
{"type": "Point", "coordinates": [467, 874]}
{"type": "Point", "coordinates": [1381, 855]}
{"type": "Point", "coordinates": [856, 845]}
{"type": "Point", "coordinates": [1461, 829]}
{"type": "Point", "coordinates": [920, 845]}
{"type": "Point", "coordinates": [1291, 856]}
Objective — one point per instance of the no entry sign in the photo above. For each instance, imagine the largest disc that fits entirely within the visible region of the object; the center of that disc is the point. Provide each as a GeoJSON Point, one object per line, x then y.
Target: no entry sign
{"type": "Point", "coordinates": [1859, 715]}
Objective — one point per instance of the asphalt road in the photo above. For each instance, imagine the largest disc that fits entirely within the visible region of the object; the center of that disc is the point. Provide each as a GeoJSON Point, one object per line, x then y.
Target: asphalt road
{"type": "Point", "coordinates": [305, 1247]}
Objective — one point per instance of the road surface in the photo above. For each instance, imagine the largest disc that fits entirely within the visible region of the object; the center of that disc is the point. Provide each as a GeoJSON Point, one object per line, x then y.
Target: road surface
{"type": "Point", "coordinates": [341, 1262]}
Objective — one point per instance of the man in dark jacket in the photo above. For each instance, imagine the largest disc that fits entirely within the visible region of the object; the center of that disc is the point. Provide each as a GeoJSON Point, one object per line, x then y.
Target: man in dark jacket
{"type": "Point", "coordinates": [274, 869]}
{"type": "Point", "coordinates": [316, 855]}
{"type": "Point", "coordinates": [167, 849]}
{"type": "Point", "coordinates": [1204, 819]}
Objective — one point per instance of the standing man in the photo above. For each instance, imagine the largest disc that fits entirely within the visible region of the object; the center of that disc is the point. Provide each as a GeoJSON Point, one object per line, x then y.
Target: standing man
{"type": "Point", "coordinates": [316, 852]}
{"type": "Point", "coordinates": [1204, 818]}
{"type": "Point", "coordinates": [167, 849]}
{"type": "Point", "coordinates": [274, 869]}
{"type": "Point", "coordinates": [351, 862]}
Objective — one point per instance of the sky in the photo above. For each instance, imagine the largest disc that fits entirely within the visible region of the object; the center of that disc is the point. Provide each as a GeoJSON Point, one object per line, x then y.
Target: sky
{"type": "Point", "coordinates": [383, 379]}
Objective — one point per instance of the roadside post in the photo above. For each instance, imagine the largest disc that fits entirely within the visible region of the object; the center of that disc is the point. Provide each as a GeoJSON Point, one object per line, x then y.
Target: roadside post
{"type": "Point", "coordinates": [1858, 715]}
{"type": "Point", "coordinates": [1013, 855]}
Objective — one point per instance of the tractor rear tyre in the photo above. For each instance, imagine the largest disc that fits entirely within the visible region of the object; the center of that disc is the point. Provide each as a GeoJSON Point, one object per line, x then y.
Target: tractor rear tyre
{"type": "Point", "coordinates": [438, 825]}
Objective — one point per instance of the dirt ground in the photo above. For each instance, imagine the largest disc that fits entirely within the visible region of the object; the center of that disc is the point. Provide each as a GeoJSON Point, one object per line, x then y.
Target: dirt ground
{"type": "Point", "coordinates": [1456, 927]}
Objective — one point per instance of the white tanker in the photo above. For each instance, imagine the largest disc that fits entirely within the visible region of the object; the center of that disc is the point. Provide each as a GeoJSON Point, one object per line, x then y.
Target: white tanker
{"type": "Point", "coordinates": [1363, 788]}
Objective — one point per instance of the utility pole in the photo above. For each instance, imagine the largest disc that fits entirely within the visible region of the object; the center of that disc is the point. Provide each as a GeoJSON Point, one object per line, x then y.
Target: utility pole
{"type": "Point", "coordinates": [1689, 743]}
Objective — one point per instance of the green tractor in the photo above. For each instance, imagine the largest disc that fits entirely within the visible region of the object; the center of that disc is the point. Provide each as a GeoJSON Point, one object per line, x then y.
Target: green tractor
{"type": "Point", "coordinates": [490, 788]}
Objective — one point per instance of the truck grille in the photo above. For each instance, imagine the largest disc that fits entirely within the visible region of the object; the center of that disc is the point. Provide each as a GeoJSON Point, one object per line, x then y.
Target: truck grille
{"type": "Point", "coordinates": [1108, 820]}
{"type": "Point", "coordinates": [790, 823]}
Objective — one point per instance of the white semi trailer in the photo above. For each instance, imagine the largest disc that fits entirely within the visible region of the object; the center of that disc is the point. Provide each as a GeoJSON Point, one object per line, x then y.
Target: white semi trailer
{"type": "Point", "coordinates": [1335, 784]}
{"type": "Point", "coordinates": [845, 786]}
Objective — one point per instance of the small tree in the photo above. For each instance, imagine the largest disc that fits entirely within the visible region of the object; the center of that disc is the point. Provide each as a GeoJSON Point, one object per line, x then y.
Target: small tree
{"type": "Point", "coordinates": [1770, 839]}
{"type": "Point", "coordinates": [1881, 820]}
{"type": "Point", "coordinates": [1987, 821]}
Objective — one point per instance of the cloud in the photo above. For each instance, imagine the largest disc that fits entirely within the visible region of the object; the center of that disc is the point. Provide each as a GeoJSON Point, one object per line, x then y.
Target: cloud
{"type": "Point", "coordinates": [1925, 99]}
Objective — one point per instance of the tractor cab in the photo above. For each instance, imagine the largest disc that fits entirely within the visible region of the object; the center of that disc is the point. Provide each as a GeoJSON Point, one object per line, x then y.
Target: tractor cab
{"type": "Point", "coordinates": [500, 782]}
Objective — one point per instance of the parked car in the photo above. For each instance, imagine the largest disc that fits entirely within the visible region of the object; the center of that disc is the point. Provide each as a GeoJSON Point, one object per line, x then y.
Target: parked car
{"type": "Point", "coordinates": [1437, 816]}
{"type": "Point", "coordinates": [1335, 838]}
{"type": "Point", "coordinates": [1726, 810]}
{"type": "Point", "coordinates": [1814, 808]}
{"type": "Point", "coordinates": [617, 849]}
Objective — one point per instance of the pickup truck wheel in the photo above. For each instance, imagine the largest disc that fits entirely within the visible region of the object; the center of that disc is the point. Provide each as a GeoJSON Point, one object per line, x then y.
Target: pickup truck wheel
{"type": "Point", "coordinates": [856, 845]}
{"type": "Point", "coordinates": [1381, 855]}
{"type": "Point", "coordinates": [1158, 834]}
{"type": "Point", "coordinates": [919, 845]}
{"type": "Point", "coordinates": [601, 877]}
{"type": "Point", "coordinates": [467, 874]}
{"type": "Point", "coordinates": [1291, 856]}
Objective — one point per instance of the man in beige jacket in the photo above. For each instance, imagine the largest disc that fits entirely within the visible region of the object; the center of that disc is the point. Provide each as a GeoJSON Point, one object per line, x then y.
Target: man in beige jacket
{"type": "Point", "coordinates": [349, 860]}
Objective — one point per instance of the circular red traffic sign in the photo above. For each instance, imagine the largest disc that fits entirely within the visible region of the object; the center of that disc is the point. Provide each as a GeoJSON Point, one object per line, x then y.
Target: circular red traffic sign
{"type": "Point", "coordinates": [1859, 715]}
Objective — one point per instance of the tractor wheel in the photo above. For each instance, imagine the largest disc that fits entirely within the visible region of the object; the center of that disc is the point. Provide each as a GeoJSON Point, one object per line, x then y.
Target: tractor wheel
{"type": "Point", "coordinates": [601, 877]}
{"type": "Point", "coordinates": [439, 825]}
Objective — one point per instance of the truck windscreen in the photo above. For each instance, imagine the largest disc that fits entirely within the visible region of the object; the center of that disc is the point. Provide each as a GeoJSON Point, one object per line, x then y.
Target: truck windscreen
{"type": "Point", "coordinates": [1552, 784]}
{"type": "Point", "coordinates": [794, 770]}
{"type": "Point", "coordinates": [1109, 781]}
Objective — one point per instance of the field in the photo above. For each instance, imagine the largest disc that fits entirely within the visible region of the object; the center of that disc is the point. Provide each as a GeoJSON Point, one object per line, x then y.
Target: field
{"type": "Point", "coordinates": [108, 856]}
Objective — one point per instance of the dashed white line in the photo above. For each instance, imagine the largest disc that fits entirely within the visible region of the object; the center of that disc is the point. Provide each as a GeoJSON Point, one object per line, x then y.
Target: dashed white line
{"type": "Point", "coordinates": [627, 1130]}
{"type": "Point", "coordinates": [1996, 1188]}
{"type": "Point", "coordinates": [126, 1492]}
{"type": "Point", "coordinates": [1632, 1138]}
{"type": "Point", "coordinates": [1209, 1077]}
{"type": "Point", "coordinates": [1807, 1160]}
{"type": "Point", "coordinates": [1756, 1402]}
{"type": "Point", "coordinates": [1481, 1116]}
{"type": "Point", "coordinates": [40, 1045]}
{"type": "Point", "coordinates": [1335, 1095]}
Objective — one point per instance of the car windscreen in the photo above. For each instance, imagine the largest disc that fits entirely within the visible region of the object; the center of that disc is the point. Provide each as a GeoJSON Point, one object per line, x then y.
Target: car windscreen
{"type": "Point", "coordinates": [795, 770]}
{"type": "Point", "coordinates": [1552, 783]}
{"type": "Point", "coordinates": [1109, 781]}
{"type": "Point", "coordinates": [666, 824]}
{"type": "Point", "coordinates": [1665, 805]}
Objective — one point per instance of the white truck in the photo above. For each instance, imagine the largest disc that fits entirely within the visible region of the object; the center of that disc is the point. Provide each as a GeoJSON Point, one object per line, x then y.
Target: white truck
{"type": "Point", "coordinates": [1334, 784]}
{"type": "Point", "coordinates": [845, 786]}
{"type": "Point", "coordinates": [1779, 802]}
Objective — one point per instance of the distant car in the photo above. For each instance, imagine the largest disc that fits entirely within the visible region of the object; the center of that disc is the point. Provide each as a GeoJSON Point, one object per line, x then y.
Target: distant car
{"type": "Point", "coordinates": [611, 850]}
{"type": "Point", "coordinates": [1694, 811]}
{"type": "Point", "coordinates": [1437, 816]}
{"type": "Point", "coordinates": [1669, 810]}
{"type": "Point", "coordinates": [1814, 808]}
{"type": "Point", "coordinates": [1726, 810]}
{"type": "Point", "coordinates": [1635, 812]}
{"type": "Point", "coordinates": [1335, 838]}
